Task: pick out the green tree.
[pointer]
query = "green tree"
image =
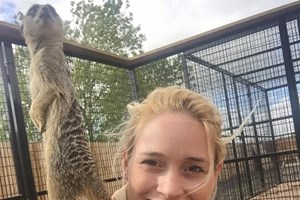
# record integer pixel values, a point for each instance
(107, 26)
(165, 72)
(103, 90)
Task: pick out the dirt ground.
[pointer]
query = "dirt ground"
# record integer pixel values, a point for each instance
(284, 191)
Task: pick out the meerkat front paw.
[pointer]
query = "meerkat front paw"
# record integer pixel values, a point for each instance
(38, 120)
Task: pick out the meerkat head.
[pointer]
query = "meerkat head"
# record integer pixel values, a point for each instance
(42, 24)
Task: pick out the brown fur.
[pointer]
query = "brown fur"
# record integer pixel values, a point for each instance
(70, 169)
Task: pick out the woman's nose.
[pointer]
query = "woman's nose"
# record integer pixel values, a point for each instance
(170, 185)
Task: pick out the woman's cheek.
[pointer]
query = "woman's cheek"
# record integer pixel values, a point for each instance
(141, 180)
(205, 192)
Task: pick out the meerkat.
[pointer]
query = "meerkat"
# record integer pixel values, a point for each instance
(70, 169)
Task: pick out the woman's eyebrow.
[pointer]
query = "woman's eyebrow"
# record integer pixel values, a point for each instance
(198, 159)
(192, 158)
(152, 153)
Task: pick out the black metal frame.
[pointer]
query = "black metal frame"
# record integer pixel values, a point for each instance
(290, 73)
(16, 119)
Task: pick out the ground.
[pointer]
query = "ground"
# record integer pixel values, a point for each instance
(284, 191)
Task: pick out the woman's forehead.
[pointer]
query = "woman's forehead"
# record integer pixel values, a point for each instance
(173, 132)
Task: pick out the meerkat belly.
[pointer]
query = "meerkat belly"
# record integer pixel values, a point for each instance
(68, 157)
(36, 80)
(35, 85)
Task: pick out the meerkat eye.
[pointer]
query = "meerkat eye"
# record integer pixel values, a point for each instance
(33, 10)
(52, 10)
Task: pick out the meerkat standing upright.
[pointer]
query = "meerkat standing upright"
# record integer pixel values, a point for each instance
(70, 168)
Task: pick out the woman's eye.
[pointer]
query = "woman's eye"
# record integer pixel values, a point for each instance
(150, 162)
(194, 169)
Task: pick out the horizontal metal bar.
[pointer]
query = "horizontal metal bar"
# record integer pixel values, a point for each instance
(14, 198)
(113, 179)
(261, 122)
(267, 155)
(249, 56)
(258, 70)
(42, 193)
(11, 33)
(217, 68)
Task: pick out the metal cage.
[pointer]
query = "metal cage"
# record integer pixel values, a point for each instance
(255, 61)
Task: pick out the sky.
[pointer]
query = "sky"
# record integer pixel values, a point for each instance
(165, 21)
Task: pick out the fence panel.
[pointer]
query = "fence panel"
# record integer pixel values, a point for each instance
(103, 153)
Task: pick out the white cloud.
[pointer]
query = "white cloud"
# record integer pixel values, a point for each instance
(167, 21)
(7, 11)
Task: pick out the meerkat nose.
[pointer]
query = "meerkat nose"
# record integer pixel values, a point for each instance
(46, 12)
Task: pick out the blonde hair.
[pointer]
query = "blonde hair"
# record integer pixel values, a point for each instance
(173, 99)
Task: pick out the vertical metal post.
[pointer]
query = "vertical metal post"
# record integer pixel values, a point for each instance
(185, 72)
(261, 173)
(134, 84)
(17, 123)
(273, 138)
(291, 80)
(12, 136)
(239, 178)
(243, 139)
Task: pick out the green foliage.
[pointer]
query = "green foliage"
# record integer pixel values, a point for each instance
(103, 91)
(4, 133)
(107, 26)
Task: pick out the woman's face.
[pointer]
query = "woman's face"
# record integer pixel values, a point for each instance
(169, 160)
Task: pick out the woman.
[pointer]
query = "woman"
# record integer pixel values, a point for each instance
(171, 147)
